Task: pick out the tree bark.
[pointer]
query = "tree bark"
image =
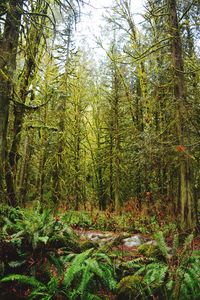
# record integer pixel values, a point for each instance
(8, 53)
(186, 200)
(33, 43)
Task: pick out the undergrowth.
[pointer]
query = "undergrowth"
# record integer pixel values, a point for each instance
(42, 258)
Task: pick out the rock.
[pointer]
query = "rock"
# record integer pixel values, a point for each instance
(133, 241)
(152, 242)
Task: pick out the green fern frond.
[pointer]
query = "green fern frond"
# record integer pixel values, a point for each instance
(170, 285)
(175, 245)
(187, 245)
(141, 271)
(137, 263)
(92, 297)
(188, 241)
(103, 256)
(155, 274)
(108, 277)
(76, 267)
(23, 279)
(162, 244)
(190, 284)
(94, 267)
(16, 263)
(57, 263)
(39, 293)
(85, 281)
(53, 285)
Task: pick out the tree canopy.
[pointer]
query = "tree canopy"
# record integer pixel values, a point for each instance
(87, 134)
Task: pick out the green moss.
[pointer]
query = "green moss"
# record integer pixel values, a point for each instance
(130, 287)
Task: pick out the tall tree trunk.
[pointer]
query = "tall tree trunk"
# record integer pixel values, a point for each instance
(186, 195)
(111, 192)
(23, 169)
(100, 184)
(33, 44)
(8, 53)
(116, 141)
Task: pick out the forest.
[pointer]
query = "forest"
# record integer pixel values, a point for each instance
(100, 150)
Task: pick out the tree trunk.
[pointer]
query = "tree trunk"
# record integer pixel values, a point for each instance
(116, 142)
(186, 195)
(23, 169)
(33, 43)
(8, 52)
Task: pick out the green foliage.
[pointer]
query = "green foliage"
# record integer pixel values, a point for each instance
(23, 279)
(87, 245)
(149, 250)
(85, 274)
(130, 287)
(42, 252)
(9, 212)
(43, 291)
(80, 218)
(36, 228)
(175, 275)
(87, 271)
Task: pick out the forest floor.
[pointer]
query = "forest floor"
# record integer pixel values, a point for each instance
(81, 255)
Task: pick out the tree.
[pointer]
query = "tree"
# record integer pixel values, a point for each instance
(26, 29)
(8, 54)
(186, 193)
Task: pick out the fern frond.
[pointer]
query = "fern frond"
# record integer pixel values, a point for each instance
(140, 261)
(53, 285)
(76, 267)
(175, 245)
(93, 297)
(94, 267)
(188, 241)
(170, 285)
(103, 256)
(108, 277)
(85, 281)
(57, 263)
(141, 271)
(162, 244)
(23, 279)
(155, 274)
(187, 245)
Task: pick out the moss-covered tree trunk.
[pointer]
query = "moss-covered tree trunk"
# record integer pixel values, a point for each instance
(8, 53)
(186, 195)
(32, 49)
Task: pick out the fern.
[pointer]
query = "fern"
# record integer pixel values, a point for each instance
(176, 278)
(175, 245)
(155, 274)
(162, 244)
(92, 297)
(83, 273)
(57, 263)
(39, 289)
(108, 277)
(103, 256)
(137, 262)
(76, 267)
(53, 285)
(23, 279)
(85, 281)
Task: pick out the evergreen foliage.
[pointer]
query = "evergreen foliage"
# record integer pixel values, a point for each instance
(104, 142)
